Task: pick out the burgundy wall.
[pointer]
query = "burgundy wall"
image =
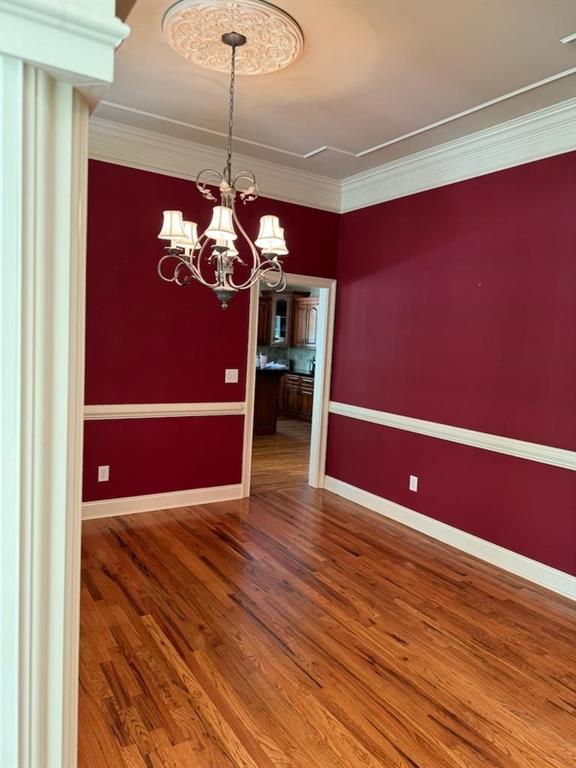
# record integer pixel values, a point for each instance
(148, 341)
(458, 305)
(152, 342)
(518, 504)
(159, 455)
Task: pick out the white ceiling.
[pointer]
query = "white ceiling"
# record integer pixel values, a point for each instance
(372, 73)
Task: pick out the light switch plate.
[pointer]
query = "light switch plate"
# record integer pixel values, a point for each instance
(104, 474)
(231, 376)
(413, 485)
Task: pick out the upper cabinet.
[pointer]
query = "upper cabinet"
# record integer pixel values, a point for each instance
(287, 319)
(305, 320)
(281, 319)
(264, 319)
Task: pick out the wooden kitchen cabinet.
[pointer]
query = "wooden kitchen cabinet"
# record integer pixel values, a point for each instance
(305, 321)
(298, 396)
(264, 319)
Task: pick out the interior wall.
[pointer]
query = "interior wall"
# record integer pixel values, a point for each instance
(148, 341)
(458, 306)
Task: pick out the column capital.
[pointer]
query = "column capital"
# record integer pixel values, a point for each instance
(72, 39)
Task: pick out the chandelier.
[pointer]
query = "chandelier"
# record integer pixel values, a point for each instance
(212, 257)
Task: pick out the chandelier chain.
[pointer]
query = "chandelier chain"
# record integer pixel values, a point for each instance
(231, 116)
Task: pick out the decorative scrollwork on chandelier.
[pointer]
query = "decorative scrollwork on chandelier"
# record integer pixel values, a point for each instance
(219, 250)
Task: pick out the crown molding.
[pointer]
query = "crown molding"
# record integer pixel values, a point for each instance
(531, 137)
(150, 151)
(540, 134)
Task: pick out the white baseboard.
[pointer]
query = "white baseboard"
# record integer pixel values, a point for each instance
(154, 501)
(543, 575)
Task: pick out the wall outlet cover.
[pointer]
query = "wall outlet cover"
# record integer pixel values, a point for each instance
(231, 376)
(413, 484)
(103, 473)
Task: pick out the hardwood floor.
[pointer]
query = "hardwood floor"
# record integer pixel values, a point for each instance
(298, 630)
(281, 460)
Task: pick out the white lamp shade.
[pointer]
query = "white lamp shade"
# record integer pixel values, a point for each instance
(190, 241)
(172, 226)
(221, 227)
(229, 247)
(270, 234)
(281, 250)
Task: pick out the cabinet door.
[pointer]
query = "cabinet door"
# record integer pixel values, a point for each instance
(299, 324)
(306, 397)
(264, 306)
(292, 399)
(311, 324)
(281, 320)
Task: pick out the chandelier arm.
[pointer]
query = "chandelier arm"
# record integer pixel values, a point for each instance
(208, 177)
(180, 262)
(199, 260)
(249, 193)
(255, 267)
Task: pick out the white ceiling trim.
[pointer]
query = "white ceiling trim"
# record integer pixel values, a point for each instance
(547, 132)
(540, 134)
(337, 150)
(126, 145)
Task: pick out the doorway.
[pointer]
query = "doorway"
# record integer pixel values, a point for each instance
(288, 385)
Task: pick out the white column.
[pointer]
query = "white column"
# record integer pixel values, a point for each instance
(43, 161)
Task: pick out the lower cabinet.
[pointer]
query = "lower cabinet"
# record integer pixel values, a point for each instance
(298, 396)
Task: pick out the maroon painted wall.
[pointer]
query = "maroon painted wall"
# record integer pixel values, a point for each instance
(152, 342)
(458, 305)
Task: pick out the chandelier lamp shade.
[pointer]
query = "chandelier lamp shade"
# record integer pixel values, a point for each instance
(224, 249)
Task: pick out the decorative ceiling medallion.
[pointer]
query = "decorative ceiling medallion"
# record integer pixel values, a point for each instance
(194, 28)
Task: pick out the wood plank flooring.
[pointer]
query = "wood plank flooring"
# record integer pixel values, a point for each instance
(298, 630)
(281, 460)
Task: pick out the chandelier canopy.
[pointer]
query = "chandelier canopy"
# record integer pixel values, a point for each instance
(224, 244)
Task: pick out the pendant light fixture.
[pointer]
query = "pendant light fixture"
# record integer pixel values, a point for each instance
(211, 258)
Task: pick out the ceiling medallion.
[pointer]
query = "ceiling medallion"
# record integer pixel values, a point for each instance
(194, 29)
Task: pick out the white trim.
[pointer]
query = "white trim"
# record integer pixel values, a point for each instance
(151, 502)
(161, 410)
(544, 454)
(319, 433)
(534, 136)
(44, 136)
(322, 380)
(538, 573)
(75, 40)
(150, 151)
(368, 150)
(250, 389)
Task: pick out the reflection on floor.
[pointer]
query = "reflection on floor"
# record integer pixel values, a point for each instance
(281, 460)
(298, 630)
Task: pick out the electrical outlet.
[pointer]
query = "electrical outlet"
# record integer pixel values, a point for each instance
(413, 484)
(103, 474)
(231, 376)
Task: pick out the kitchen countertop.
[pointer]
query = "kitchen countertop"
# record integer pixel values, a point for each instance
(285, 370)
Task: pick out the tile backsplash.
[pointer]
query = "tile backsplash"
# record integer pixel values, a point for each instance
(300, 357)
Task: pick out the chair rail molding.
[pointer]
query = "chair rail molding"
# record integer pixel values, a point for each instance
(161, 410)
(545, 454)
